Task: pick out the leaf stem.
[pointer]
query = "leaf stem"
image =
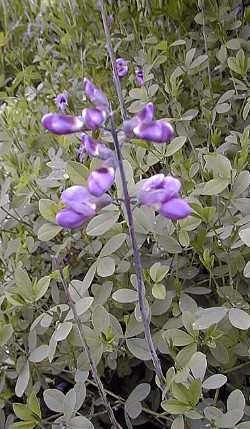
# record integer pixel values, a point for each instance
(87, 351)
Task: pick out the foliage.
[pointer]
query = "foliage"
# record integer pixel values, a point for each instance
(195, 57)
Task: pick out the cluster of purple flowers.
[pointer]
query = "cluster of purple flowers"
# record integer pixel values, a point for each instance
(162, 192)
(81, 203)
(122, 71)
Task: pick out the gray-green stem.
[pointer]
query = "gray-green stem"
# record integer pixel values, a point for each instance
(87, 351)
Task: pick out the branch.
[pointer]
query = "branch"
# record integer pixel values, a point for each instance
(112, 59)
(86, 349)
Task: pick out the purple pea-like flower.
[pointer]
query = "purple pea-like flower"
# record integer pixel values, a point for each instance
(62, 124)
(78, 198)
(121, 67)
(81, 152)
(145, 116)
(93, 118)
(94, 94)
(157, 131)
(110, 20)
(68, 218)
(61, 101)
(175, 208)
(95, 148)
(139, 76)
(100, 180)
(158, 189)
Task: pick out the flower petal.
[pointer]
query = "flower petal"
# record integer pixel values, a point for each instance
(175, 209)
(62, 124)
(68, 218)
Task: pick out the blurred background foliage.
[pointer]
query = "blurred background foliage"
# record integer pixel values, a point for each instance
(195, 56)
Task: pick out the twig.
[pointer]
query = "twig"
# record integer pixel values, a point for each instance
(137, 259)
(112, 59)
(86, 349)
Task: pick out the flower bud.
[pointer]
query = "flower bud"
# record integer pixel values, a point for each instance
(68, 218)
(99, 181)
(175, 208)
(62, 101)
(79, 199)
(157, 131)
(121, 67)
(93, 118)
(94, 94)
(139, 77)
(62, 124)
(96, 149)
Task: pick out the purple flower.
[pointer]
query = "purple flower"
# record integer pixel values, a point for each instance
(62, 124)
(139, 76)
(121, 67)
(145, 116)
(101, 180)
(79, 199)
(158, 189)
(95, 148)
(163, 192)
(110, 20)
(157, 131)
(80, 206)
(62, 101)
(93, 118)
(175, 208)
(94, 94)
(68, 218)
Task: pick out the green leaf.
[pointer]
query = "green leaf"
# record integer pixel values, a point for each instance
(214, 382)
(83, 305)
(159, 291)
(219, 165)
(24, 285)
(102, 223)
(22, 412)
(172, 406)
(125, 296)
(79, 422)
(138, 347)
(214, 186)
(209, 316)
(246, 271)
(54, 399)
(48, 231)
(78, 173)
(39, 354)
(158, 272)
(245, 236)
(113, 245)
(100, 319)
(22, 380)
(178, 423)
(105, 266)
(175, 145)
(229, 419)
(41, 287)
(236, 400)
(34, 405)
(62, 331)
(181, 393)
(178, 337)
(239, 318)
(48, 209)
(198, 365)
(6, 332)
(24, 425)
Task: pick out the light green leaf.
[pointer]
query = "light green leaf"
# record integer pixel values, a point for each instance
(6, 332)
(24, 425)
(214, 186)
(41, 287)
(80, 422)
(125, 296)
(178, 337)
(209, 316)
(22, 380)
(105, 266)
(54, 399)
(158, 272)
(138, 348)
(22, 412)
(62, 331)
(78, 173)
(83, 305)
(214, 382)
(198, 365)
(172, 406)
(159, 291)
(100, 319)
(113, 245)
(239, 318)
(245, 236)
(178, 423)
(48, 209)
(175, 145)
(39, 354)
(102, 223)
(246, 271)
(34, 405)
(48, 231)
(229, 419)
(236, 400)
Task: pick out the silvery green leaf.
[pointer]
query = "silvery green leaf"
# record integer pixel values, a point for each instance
(100, 319)
(48, 231)
(62, 331)
(79, 422)
(54, 399)
(239, 318)
(229, 419)
(125, 296)
(112, 245)
(105, 266)
(236, 400)
(102, 223)
(209, 316)
(175, 145)
(178, 423)
(138, 347)
(198, 365)
(39, 354)
(214, 381)
(22, 380)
